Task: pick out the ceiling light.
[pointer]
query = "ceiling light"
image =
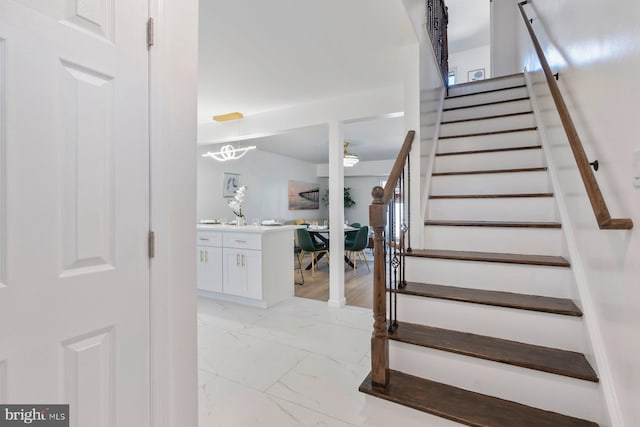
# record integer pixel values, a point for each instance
(349, 159)
(227, 152)
(228, 116)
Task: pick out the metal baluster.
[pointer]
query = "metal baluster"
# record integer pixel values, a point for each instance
(391, 233)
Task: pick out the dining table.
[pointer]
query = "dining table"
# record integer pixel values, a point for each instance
(321, 232)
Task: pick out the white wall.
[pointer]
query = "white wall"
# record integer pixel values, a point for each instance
(360, 193)
(471, 59)
(505, 22)
(598, 56)
(266, 176)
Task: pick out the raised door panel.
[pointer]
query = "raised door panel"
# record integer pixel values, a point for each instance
(252, 265)
(234, 276)
(210, 268)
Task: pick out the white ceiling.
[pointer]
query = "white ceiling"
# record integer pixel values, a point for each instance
(375, 139)
(258, 55)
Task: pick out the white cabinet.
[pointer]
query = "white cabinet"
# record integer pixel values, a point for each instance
(209, 258)
(242, 272)
(254, 264)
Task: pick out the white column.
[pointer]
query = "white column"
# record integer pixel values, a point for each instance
(336, 214)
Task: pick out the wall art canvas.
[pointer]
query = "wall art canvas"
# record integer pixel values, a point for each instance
(475, 75)
(230, 183)
(303, 195)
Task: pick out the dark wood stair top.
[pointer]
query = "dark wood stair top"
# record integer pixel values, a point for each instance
(507, 224)
(481, 172)
(489, 196)
(497, 116)
(494, 132)
(484, 104)
(463, 406)
(562, 306)
(543, 260)
(490, 150)
(546, 359)
(517, 86)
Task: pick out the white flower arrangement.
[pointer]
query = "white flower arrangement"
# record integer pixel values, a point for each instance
(236, 203)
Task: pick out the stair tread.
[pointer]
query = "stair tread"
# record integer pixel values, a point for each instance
(496, 116)
(563, 306)
(494, 132)
(545, 260)
(464, 406)
(480, 172)
(489, 196)
(486, 104)
(509, 224)
(516, 86)
(546, 359)
(490, 150)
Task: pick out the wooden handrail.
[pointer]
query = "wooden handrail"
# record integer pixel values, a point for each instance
(600, 210)
(398, 166)
(378, 221)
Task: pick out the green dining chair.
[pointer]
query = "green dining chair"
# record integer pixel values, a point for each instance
(355, 250)
(307, 244)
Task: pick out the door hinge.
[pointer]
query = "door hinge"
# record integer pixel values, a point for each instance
(152, 244)
(150, 33)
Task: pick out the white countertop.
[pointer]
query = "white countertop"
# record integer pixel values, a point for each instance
(246, 228)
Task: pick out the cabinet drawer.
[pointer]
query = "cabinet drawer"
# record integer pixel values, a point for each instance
(242, 240)
(209, 238)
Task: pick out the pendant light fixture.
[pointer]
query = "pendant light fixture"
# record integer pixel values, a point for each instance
(227, 152)
(349, 158)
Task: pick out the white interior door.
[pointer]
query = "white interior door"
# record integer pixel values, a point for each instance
(74, 208)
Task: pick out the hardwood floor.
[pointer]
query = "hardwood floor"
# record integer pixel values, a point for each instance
(358, 288)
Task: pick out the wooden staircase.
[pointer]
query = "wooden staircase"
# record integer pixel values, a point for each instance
(488, 331)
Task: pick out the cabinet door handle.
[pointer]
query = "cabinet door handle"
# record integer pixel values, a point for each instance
(206, 256)
(243, 260)
(237, 260)
(202, 238)
(201, 260)
(241, 241)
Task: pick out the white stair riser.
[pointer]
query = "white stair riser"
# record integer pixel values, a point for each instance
(492, 183)
(488, 125)
(487, 110)
(488, 142)
(484, 85)
(543, 390)
(532, 327)
(490, 161)
(495, 239)
(535, 209)
(516, 278)
(482, 98)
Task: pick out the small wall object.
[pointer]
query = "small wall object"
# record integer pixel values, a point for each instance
(230, 184)
(475, 75)
(303, 195)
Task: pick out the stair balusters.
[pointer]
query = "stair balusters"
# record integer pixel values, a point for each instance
(389, 219)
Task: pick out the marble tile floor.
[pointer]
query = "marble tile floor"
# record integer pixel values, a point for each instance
(298, 363)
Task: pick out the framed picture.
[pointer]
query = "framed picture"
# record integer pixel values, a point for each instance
(303, 195)
(230, 183)
(474, 75)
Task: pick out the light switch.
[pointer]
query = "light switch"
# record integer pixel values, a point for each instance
(636, 169)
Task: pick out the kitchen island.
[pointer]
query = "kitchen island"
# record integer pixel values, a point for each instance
(249, 265)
